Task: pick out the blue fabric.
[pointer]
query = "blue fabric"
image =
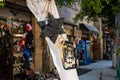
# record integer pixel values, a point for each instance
(81, 45)
(28, 64)
(26, 52)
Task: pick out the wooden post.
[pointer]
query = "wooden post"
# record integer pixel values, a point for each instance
(101, 39)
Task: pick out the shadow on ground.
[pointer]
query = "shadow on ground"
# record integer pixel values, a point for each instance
(81, 71)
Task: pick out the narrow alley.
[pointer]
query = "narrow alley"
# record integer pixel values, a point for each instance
(103, 66)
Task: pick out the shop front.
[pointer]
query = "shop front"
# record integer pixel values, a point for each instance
(85, 43)
(16, 39)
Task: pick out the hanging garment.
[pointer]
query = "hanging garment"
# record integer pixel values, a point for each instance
(40, 9)
(29, 38)
(22, 42)
(81, 45)
(77, 39)
(28, 27)
(30, 48)
(26, 53)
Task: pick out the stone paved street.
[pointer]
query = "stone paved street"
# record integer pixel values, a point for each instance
(103, 65)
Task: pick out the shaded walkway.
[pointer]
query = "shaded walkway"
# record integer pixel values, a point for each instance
(97, 67)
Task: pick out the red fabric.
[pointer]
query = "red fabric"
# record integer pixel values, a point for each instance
(31, 72)
(22, 42)
(94, 38)
(76, 41)
(28, 27)
(119, 42)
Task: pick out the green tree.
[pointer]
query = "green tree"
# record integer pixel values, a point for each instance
(99, 8)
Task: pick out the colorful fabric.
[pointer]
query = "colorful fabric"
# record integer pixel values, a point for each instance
(81, 45)
(26, 52)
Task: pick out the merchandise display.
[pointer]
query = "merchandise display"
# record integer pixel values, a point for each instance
(83, 51)
(17, 39)
(69, 60)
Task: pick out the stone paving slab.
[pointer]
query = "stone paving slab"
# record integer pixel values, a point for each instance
(105, 66)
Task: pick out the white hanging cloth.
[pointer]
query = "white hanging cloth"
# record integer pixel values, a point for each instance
(40, 9)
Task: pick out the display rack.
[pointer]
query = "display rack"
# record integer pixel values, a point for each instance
(96, 49)
(17, 55)
(11, 53)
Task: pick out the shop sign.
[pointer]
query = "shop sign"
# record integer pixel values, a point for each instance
(2, 3)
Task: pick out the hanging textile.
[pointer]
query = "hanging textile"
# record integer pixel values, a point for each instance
(40, 9)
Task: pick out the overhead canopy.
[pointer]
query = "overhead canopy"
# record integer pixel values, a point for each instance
(89, 27)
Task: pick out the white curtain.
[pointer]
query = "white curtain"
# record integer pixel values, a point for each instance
(40, 9)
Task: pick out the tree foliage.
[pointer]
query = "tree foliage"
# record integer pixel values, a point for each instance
(99, 8)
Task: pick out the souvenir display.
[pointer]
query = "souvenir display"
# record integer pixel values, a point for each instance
(69, 60)
(16, 39)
